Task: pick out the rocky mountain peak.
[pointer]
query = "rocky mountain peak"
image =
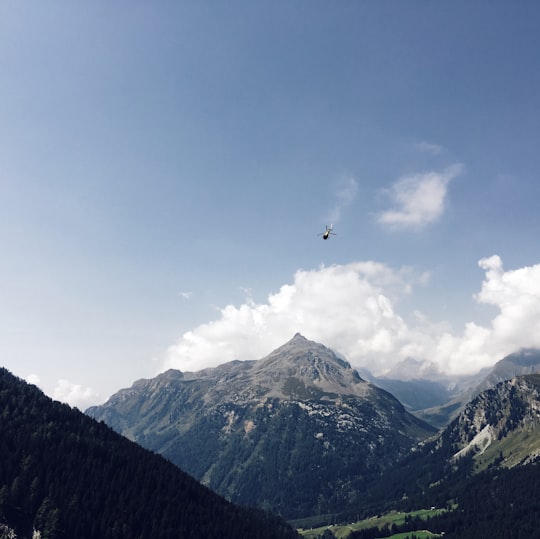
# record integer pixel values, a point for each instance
(282, 432)
(304, 363)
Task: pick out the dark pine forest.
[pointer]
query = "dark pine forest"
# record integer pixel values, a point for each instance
(68, 476)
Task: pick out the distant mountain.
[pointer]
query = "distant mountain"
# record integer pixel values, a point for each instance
(417, 394)
(454, 393)
(436, 398)
(68, 476)
(526, 361)
(295, 432)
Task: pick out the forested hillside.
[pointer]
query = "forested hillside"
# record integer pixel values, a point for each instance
(495, 504)
(484, 468)
(69, 476)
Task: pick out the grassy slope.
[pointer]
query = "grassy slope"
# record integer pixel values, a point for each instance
(394, 517)
(522, 445)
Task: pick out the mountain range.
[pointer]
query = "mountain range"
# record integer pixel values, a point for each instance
(299, 432)
(295, 432)
(298, 427)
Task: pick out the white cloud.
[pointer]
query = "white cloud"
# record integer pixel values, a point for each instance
(33, 379)
(349, 308)
(427, 147)
(516, 293)
(345, 196)
(418, 199)
(74, 394)
(353, 309)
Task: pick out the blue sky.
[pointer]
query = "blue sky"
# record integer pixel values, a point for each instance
(165, 168)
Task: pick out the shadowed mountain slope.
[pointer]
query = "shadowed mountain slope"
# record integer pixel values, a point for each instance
(68, 476)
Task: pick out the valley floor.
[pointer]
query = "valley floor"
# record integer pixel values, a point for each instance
(394, 518)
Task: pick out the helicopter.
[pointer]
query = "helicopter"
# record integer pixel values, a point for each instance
(329, 231)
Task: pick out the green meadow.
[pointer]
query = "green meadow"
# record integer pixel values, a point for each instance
(393, 518)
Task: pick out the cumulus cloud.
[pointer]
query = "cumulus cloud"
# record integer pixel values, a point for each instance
(354, 309)
(349, 308)
(344, 197)
(74, 394)
(516, 293)
(418, 199)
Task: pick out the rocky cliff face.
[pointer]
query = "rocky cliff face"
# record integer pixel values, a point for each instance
(501, 425)
(293, 432)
